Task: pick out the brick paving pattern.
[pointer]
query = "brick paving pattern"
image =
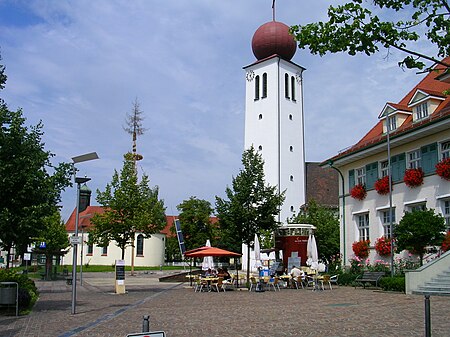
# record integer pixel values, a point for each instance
(180, 312)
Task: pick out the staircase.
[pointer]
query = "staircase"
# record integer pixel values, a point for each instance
(439, 285)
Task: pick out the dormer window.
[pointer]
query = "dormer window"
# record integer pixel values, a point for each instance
(392, 123)
(422, 111)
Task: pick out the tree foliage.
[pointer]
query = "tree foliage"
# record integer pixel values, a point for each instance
(327, 227)
(195, 220)
(130, 206)
(30, 185)
(419, 229)
(361, 26)
(252, 204)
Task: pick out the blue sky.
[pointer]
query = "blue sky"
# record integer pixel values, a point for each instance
(79, 65)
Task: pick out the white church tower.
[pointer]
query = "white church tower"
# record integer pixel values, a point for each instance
(274, 113)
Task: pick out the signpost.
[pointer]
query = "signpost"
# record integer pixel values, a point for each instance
(120, 276)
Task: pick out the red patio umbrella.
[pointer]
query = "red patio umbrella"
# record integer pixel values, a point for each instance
(209, 251)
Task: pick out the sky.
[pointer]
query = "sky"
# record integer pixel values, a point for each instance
(78, 66)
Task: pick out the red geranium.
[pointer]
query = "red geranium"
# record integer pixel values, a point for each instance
(414, 177)
(446, 243)
(383, 246)
(382, 185)
(358, 192)
(361, 248)
(443, 169)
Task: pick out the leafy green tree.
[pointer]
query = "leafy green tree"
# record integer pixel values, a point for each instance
(327, 227)
(56, 241)
(130, 206)
(251, 207)
(30, 185)
(195, 220)
(419, 229)
(364, 26)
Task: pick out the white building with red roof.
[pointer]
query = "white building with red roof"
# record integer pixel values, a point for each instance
(419, 138)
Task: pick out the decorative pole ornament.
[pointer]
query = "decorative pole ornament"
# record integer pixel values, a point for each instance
(273, 10)
(250, 75)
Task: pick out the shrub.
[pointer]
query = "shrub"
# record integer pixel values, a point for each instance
(396, 283)
(28, 293)
(347, 279)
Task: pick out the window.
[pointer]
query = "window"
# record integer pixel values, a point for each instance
(140, 245)
(361, 175)
(260, 148)
(105, 250)
(371, 174)
(291, 178)
(363, 226)
(291, 148)
(392, 123)
(260, 116)
(257, 88)
(293, 88)
(384, 168)
(264, 86)
(386, 221)
(286, 86)
(422, 111)
(290, 117)
(90, 249)
(417, 207)
(429, 158)
(398, 167)
(445, 150)
(446, 213)
(413, 158)
(292, 209)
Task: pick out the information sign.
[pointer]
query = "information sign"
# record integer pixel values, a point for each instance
(120, 270)
(75, 240)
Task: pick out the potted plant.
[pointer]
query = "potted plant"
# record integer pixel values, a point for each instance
(413, 177)
(383, 246)
(446, 243)
(382, 185)
(358, 192)
(361, 248)
(443, 169)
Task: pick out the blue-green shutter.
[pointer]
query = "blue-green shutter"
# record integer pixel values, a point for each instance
(351, 178)
(429, 157)
(371, 174)
(398, 164)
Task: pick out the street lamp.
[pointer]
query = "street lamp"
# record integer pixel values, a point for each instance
(331, 164)
(78, 181)
(391, 224)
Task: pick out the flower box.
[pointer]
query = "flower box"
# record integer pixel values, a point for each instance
(361, 248)
(383, 246)
(382, 185)
(358, 192)
(413, 177)
(443, 169)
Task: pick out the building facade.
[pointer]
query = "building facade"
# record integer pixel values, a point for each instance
(416, 132)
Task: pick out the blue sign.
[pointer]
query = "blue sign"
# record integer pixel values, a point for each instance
(42, 245)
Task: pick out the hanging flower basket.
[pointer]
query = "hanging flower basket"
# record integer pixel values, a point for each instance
(382, 185)
(443, 169)
(361, 248)
(413, 177)
(446, 243)
(383, 246)
(358, 192)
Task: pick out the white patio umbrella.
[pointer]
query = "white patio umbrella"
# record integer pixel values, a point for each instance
(314, 254)
(208, 262)
(308, 251)
(257, 250)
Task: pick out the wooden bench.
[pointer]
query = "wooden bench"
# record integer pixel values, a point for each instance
(369, 277)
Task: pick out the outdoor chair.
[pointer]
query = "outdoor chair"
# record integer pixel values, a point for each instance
(325, 280)
(334, 279)
(273, 282)
(253, 283)
(200, 284)
(218, 285)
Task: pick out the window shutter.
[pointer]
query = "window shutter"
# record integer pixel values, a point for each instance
(398, 163)
(371, 174)
(351, 178)
(429, 157)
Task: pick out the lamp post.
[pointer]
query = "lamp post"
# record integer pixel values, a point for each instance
(391, 224)
(78, 181)
(331, 164)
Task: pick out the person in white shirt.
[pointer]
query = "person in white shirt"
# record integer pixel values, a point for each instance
(296, 272)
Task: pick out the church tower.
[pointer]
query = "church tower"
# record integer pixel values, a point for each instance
(274, 113)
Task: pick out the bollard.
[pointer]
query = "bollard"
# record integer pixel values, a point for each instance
(427, 316)
(146, 324)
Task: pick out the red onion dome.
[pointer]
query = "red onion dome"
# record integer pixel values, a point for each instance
(273, 38)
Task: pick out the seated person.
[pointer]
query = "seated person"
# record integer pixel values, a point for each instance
(209, 272)
(296, 272)
(226, 274)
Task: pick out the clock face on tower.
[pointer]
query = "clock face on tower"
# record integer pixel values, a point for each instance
(250, 75)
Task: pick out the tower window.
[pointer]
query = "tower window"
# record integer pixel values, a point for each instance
(140, 245)
(291, 148)
(292, 209)
(264, 85)
(257, 88)
(290, 117)
(291, 178)
(286, 86)
(293, 88)
(260, 148)
(260, 116)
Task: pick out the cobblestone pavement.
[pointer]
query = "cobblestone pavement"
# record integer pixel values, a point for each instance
(178, 311)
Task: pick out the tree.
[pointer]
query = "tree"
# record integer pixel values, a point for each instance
(327, 228)
(419, 229)
(134, 126)
(56, 241)
(251, 206)
(29, 192)
(129, 206)
(195, 220)
(355, 27)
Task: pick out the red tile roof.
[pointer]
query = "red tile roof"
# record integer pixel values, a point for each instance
(430, 85)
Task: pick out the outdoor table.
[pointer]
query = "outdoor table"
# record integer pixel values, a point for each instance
(287, 279)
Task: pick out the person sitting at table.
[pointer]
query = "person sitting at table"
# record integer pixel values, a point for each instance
(296, 272)
(226, 274)
(209, 272)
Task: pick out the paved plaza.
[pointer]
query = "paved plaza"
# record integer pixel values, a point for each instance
(180, 312)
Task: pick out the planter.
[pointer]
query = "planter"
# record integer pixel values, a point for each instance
(443, 169)
(382, 185)
(358, 192)
(413, 177)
